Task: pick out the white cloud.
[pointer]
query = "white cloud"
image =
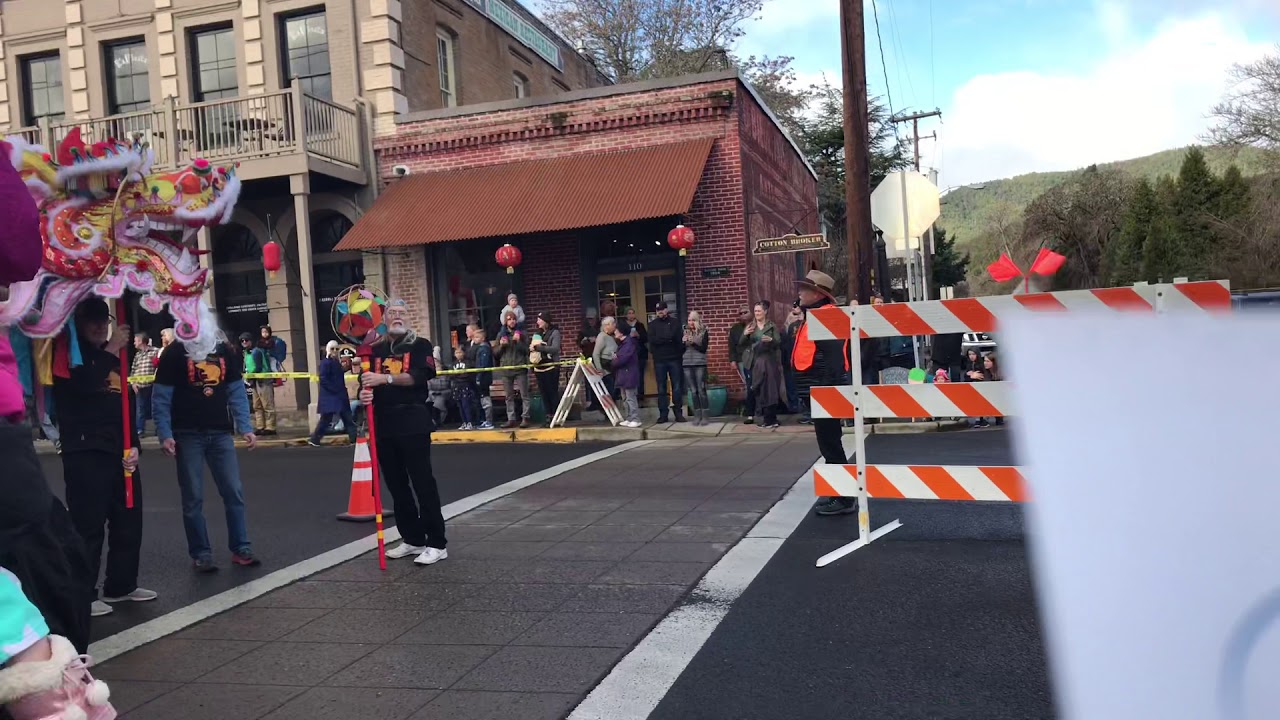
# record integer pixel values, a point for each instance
(1138, 100)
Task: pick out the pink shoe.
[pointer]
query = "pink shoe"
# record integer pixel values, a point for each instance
(60, 688)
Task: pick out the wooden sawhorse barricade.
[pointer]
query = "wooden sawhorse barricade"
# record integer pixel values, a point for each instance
(956, 399)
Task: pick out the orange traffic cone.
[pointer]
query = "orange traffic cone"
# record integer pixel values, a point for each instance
(360, 504)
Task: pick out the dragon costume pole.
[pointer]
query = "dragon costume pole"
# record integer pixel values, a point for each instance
(377, 485)
(124, 408)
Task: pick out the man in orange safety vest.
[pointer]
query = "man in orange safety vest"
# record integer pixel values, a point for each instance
(822, 362)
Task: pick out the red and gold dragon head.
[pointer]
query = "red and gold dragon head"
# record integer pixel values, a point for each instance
(109, 223)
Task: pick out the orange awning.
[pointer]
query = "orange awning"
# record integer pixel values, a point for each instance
(533, 196)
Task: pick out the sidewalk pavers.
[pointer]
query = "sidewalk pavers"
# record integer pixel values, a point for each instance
(543, 592)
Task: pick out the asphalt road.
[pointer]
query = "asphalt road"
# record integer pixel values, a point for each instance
(292, 494)
(937, 620)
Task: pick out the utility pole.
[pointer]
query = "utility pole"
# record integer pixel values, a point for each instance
(857, 175)
(926, 245)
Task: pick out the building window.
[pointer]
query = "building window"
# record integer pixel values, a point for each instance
(214, 64)
(305, 40)
(522, 85)
(42, 89)
(448, 75)
(128, 85)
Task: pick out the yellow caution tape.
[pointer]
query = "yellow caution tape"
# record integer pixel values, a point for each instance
(351, 376)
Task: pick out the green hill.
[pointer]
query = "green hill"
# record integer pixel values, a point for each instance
(966, 211)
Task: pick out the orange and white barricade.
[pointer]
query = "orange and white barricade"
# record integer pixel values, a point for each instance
(985, 399)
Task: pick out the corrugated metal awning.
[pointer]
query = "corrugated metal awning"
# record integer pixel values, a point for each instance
(534, 196)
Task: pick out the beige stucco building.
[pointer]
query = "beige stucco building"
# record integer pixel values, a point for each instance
(201, 78)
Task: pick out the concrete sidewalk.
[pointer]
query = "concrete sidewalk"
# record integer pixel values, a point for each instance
(544, 591)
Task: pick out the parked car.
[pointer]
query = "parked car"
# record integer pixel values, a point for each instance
(982, 342)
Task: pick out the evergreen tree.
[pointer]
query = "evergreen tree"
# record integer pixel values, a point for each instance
(1195, 203)
(1123, 260)
(1160, 249)
(949, 266)
(1233, 199)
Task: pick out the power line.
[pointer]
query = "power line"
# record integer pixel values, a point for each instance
(888, 94)
(933, 68)
(900, 49)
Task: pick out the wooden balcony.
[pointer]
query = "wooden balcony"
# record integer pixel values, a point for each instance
(271, 135)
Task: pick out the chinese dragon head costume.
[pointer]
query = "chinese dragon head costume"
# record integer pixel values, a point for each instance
(108, 223)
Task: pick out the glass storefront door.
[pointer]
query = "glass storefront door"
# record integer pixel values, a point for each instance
(642, 291)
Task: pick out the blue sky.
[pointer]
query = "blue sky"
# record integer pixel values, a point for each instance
(1035, 85)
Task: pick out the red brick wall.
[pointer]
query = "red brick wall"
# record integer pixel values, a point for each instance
(552, 277)
(487, 58)
(780, 197)
(407, 279)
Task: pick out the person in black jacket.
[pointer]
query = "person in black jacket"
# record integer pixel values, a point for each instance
(822, 363)
(666, 345)
(401, 364)
(92, 439)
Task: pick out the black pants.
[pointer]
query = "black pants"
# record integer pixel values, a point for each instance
(326, 421)
(672, 371)
(549, 389)
(95, 499)
(38, 542)
(830, 443)
(405, 461)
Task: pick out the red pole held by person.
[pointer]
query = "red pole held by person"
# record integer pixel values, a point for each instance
(125, 414)
(377, 485)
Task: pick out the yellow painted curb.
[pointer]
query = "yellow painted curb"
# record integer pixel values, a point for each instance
(548, 435)
(472, 436)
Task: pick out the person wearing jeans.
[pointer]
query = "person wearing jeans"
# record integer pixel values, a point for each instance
(198, 404)
(667, 348)
(144, 363)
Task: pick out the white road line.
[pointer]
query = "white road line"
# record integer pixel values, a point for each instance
(641, 679)
(167, 624)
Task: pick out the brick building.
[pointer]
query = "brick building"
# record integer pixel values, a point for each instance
(212, 79)
(587, 185)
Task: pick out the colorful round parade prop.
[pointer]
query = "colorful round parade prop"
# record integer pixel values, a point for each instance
(359, 317)
(509, 257)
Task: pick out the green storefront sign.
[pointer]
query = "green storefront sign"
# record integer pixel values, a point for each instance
(521, 29)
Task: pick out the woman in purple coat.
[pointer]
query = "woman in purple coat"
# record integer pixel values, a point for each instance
(626, 376)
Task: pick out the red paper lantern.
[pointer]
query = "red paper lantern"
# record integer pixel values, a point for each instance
(680, 238)
(271, 257)
(509, 257)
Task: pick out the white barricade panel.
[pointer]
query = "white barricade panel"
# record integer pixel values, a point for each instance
(923, 482)
(983, 399)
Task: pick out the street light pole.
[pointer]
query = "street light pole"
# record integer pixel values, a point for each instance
(857, 176)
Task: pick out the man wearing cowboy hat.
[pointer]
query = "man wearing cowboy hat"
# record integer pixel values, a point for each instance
(822, 362)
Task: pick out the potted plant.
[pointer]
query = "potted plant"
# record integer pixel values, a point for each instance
(717, 396)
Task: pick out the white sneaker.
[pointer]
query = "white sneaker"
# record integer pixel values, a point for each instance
(404, 550)
(631, 423)
(99, 608)
(431, 556)
(138, 595)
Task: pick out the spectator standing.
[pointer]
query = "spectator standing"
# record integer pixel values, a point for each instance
(633, 327)
(480, 356)
(546, 344)
(199, 403)
(268, 358)
(626, 373)
(761, 353)
(333, 400)
(795, 318)
(818, 363)
(166, 339)
(694, 362)
(92, 437)
(463, 386)
(513, 353)
(665, 344)
(606, 346)
(145, 358)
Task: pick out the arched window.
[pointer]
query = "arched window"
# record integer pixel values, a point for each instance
(334, 271)
(521, 85)
(446, 61)
(239, 282)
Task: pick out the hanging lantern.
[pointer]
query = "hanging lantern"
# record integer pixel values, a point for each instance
(271, 258)
(509, 257)
(680, 238)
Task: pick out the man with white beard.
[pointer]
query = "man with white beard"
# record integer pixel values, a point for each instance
(401, 364)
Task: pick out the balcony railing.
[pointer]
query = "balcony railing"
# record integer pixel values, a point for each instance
(254, 127)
